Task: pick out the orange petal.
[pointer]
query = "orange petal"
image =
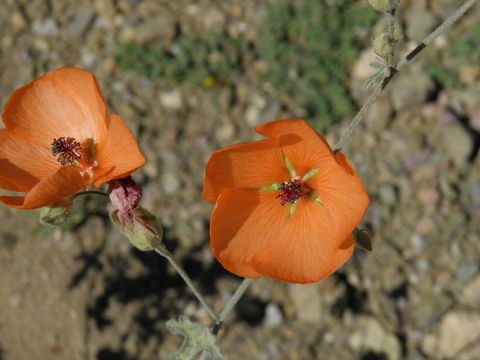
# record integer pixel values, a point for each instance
(306, 246)
(64, 182)
(64, 103)
(252, 235)
(343, 161)
(119, 155)
(342, 195)
(313, 152)
(247, 165)
(244, 222)
(22, 164)
(302, 259)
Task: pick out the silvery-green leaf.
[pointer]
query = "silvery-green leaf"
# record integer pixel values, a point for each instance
(197, 338)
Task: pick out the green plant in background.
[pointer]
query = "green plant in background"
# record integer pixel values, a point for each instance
(308, 46)
(465, 48)
(193, 60)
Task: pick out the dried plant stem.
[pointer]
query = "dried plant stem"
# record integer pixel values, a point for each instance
(406, 60)
(165, 253)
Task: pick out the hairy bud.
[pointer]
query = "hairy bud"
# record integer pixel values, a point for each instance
(142, 228)
(384, 5)
(383, 45)
(57, 214)
(136, 223)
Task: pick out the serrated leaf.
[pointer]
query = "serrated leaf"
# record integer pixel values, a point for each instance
(197, 338)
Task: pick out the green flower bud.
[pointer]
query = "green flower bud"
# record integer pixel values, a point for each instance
(383, 45)
(57, 214)
(384, 5)
(141, 228)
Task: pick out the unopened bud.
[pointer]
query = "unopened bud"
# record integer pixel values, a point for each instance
(136, 223)
(384, 5)
(141, 228)
(383, 45)
(57, 214)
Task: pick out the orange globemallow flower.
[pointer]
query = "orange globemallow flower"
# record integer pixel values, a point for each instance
(285, 207)
(59, 138)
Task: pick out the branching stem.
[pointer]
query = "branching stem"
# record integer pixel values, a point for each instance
(406, 60)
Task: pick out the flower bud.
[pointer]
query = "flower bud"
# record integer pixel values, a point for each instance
(57, 214)
(383, 45)
(136, 223)
(141, 228)
(384, 5)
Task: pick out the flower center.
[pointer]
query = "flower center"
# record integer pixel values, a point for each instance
(290, 191)
(67, 150)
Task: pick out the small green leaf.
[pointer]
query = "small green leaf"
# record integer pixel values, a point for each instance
(198, 338)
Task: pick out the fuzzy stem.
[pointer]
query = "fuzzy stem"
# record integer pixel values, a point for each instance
(391, 38)
(90, 192)
(165, 253)
(231, 304)
(386, 80)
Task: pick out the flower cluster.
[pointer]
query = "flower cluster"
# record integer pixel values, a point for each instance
(285, 207)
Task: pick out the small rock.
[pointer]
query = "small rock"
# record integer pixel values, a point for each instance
(225, 132)
(457, 142)
(428, 196)
(420, 22)
(388, 194)
(457, 337)
(159, 28)
(273, 315)
(362, 69)
(411, 89)
(105, 8)
(471, 293)
(83, 17)
(172, 100)
(371, 336)
(308, 302)
(45, 27)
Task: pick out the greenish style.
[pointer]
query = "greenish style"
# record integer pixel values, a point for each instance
(306, 46)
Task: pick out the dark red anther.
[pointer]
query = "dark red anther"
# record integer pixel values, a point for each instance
(291, 191)
(67, 150)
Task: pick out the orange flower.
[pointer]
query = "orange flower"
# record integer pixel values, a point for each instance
(59, 139)
(285, 207)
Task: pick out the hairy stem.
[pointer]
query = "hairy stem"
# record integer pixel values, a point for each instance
(391, 38)
(406, 60)
(90, 192)
(165, 253)
(231, 304)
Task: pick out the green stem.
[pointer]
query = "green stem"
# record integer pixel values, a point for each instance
(386, 80)
(90, 192)
(231, 304)
(391, 38)
(165, 253)
(439, 30)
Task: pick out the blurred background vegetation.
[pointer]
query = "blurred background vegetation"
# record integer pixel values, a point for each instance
(307, 48)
